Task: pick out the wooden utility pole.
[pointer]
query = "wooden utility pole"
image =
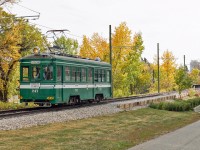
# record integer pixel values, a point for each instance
(110, 46)
(184, 62)
(158, 67)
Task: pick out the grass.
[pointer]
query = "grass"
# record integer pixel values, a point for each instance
(113, 132)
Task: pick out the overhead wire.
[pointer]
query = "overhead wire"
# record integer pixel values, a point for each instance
(8, 9)
(74, 35)
(27, 8)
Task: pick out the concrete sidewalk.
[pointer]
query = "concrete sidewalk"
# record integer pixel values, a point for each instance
(186, 138)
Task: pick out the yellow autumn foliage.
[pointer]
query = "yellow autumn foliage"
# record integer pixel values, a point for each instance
(97, 46)
(168, 69)
(10, 38)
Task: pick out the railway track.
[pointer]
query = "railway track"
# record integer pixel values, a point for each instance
(30, 111)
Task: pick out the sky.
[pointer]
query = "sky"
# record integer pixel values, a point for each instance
(174, 24)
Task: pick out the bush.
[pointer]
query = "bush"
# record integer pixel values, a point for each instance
(178, 105)
(194, 102)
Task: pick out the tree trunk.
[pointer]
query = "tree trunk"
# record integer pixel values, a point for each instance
(5, 78)
(1, 95)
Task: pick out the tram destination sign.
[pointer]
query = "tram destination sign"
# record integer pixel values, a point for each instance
(35, 62)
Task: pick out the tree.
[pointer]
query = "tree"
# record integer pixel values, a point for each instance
(134, 67)
(100, 47)
(31, 37)
(86, 49)
(168, 68)
(126, 64)
(10, 37)
(122, 43)
(194, 75)
(182, 80)
(97, 46)
(70, 46)
(143, 80)
(17, 38)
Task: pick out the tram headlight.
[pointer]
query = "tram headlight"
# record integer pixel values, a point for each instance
(50, 98)
(36, 50)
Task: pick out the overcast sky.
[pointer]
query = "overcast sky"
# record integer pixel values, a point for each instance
(175, 24)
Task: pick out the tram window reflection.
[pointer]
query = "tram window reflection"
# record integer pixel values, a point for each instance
(36, 72)
(48, 72)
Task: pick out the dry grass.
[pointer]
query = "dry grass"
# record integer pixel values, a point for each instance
(11, 106)
(117, 131)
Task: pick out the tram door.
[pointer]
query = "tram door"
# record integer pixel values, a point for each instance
(59, 89)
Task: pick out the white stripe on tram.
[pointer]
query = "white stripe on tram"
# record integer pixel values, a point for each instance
(65, 86)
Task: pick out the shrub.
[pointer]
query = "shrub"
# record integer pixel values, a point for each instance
(194, 102)
(178, 105)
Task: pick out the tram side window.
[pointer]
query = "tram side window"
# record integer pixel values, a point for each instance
(96, 75)
(103, 76)
(48, 72)
(67, 73)
(90, 75)
(78, 75)
(83, 75)
(36, 72)
(108, 76)
(73, 74)
(25, 71)
(59, 73)
(99, 75)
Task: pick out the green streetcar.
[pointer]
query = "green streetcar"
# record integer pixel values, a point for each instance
(49, 79)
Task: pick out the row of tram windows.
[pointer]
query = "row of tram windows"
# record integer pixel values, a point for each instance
(37, 73)
(69, 74)
(77, 74)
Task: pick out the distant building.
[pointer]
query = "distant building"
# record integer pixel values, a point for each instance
(194, 64)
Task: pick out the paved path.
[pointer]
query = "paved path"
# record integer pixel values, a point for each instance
(186, 138)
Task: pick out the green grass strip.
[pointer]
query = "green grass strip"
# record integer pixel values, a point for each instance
(115, 132)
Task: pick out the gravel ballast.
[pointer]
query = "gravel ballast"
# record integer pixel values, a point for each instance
(58, 116)
(65, 115)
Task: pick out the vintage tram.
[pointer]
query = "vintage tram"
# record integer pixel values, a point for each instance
(49, 79)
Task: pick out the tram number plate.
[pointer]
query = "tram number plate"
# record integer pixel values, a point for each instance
(35, 85)
(34, 91)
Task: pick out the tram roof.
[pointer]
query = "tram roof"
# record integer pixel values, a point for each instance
(46, 56)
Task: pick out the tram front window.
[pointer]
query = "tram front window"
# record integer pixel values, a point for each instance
(47, 72)
(25, 72)
(36, 72)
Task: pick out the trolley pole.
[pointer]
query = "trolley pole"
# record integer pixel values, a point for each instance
(110, 46)
(158, 67)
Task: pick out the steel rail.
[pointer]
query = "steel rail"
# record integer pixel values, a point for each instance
(30, 111)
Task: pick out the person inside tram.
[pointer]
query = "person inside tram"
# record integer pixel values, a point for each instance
(36, 73)
(47, 73)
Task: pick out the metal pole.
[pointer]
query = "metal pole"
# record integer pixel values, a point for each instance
(184, 61)
(158, 68)
(110, 46)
